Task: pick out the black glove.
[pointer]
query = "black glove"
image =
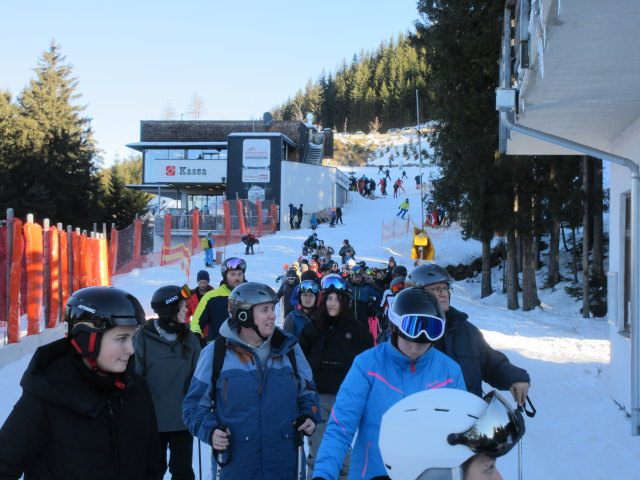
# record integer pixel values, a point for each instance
(203, 341)
(300, 420)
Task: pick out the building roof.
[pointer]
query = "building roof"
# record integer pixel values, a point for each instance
(140, 146)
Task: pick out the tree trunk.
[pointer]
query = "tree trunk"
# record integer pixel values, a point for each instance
(597, 259)
(564, 238)
(512, 272)
(553, 269)
(585, 238)
(519, 251)
(536, 251)
(530, 298)
(486, 289)
(574, 256)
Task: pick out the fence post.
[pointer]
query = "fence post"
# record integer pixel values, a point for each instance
(54, 277)
(34, 258)
(46, 284)
(137, 240)
(195, 229)
(10, 229)
(13, 324)
(274, 217)
(113, 250)
(259, 208)
(243, 227)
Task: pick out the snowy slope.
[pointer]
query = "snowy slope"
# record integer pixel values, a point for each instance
(578, 432)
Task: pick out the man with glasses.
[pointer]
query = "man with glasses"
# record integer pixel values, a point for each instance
(212, 310)
(465, 343)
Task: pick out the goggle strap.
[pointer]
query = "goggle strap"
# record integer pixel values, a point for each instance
(523, 408)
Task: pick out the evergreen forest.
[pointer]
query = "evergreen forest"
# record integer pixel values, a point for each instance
(49, 160)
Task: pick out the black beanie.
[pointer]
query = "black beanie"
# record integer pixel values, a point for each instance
(203, 275)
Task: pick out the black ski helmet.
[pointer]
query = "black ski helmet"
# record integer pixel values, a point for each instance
(232, 263)
(242, 300)
(92, 310)
(399, 271)
(428, 274)
(166, 301)
(415, 302)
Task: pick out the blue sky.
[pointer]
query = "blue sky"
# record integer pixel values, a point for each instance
(132, 58)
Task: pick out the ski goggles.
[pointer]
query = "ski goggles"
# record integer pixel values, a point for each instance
(234, 264)
(185, 292)
(414, 325)
(309, 286)
(332, 283)
(396, 287)
(496, 431)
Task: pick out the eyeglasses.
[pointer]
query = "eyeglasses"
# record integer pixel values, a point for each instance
(438, 290)
(234, 264)
(185, 292)
(332, 283)
(309, 286)
(497, 431)
(414, 325)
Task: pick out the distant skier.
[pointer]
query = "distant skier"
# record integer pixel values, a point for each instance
(339, 214)
(380, 170)
(387, 174)
(249, 240)
(383, 186)
(404, 208)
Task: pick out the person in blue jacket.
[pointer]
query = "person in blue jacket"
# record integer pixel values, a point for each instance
(298, 317)
(382, 376)
(262, 396)
(365, 297)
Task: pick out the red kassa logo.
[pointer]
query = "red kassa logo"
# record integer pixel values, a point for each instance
(170, 171)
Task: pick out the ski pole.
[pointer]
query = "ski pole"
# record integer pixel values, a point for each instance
(199, 460)
(301, 459)
(222, 457)
(520, 409)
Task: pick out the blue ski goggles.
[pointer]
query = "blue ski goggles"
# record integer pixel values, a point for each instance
(309, 286)
(330, 282)
(414, 325)
(495, 432)
(234, 263)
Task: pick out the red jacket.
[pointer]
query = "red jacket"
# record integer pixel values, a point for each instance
(193, 301)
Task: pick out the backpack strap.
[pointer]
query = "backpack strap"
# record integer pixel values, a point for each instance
(219, 352)
(294, 364)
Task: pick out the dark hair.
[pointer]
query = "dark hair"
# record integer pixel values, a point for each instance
(322, 314)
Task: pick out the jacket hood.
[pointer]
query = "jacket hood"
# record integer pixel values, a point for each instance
(57, 375)
(280, 342)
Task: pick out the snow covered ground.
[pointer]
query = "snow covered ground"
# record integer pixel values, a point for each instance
(578, 432)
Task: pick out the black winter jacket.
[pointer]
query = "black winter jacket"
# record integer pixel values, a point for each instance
(167, 367)
(464, 343)
(71, 423)
(330, 351)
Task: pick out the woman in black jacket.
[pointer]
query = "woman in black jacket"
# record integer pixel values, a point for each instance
(330, 341)
(83, 412)
(167, 353)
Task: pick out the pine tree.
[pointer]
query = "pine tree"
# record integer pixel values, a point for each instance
(122, 204)
(55, 174)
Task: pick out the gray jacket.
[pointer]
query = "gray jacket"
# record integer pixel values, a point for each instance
(168, 372)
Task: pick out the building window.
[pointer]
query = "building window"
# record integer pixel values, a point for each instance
(627, 262)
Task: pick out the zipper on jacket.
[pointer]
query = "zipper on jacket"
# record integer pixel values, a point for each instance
(412, 368)
(112, 432)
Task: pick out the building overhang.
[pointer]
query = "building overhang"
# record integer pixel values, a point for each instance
(142, 146)
(266, 134)
(174, 190)
(582, 78)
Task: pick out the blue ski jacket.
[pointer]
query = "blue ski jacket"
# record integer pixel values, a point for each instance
(379, 378)
(258, 403)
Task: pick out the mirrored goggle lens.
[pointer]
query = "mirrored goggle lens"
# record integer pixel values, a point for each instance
(309, 286)
(397, 287)
(332, 282)
(414, 325)
(185, 291)
(235, 264)
(497, 430)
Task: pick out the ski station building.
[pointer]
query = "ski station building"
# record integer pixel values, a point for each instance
(202, 163)
(569, 86)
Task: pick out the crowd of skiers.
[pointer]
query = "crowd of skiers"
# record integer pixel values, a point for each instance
(360, 347)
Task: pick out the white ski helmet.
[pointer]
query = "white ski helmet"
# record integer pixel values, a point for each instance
(430, 434)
